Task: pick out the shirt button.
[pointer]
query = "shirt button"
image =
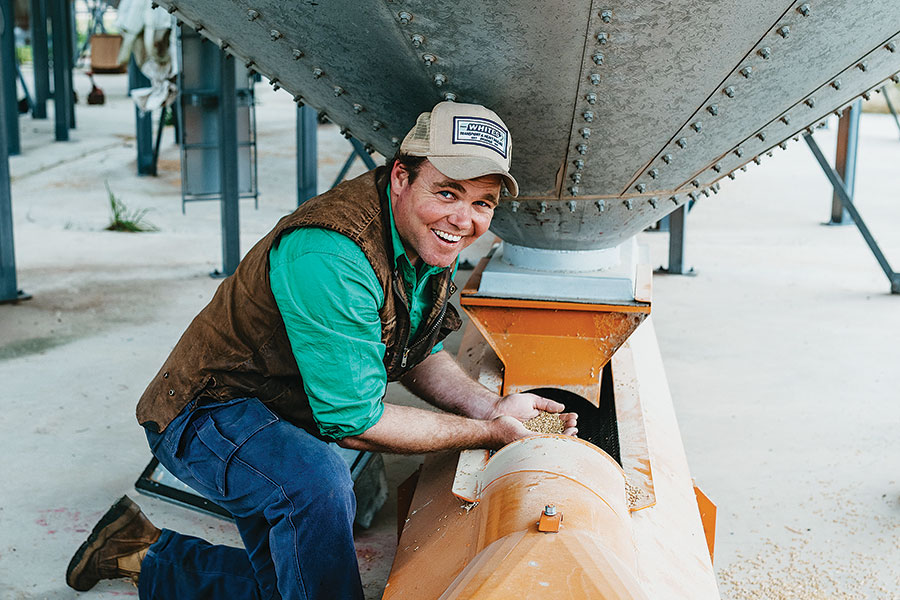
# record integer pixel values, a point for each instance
(166, 375)
(171, 392)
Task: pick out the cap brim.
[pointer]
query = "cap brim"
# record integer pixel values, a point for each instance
(470, 167)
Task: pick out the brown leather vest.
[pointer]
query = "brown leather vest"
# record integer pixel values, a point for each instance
(238, 346)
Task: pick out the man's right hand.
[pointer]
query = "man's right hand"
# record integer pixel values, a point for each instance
(508, 429)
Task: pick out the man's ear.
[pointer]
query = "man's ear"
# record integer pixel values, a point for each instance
(399, 176)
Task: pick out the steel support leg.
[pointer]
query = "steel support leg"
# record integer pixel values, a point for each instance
(71, 49)
(845, 161)
(8, 76)
(358, 150)
(890, 105)
(677, 222)
(9, 290)
(847, 202)
(39, 58)
(228, 164)
(62, 83)
(146, 165)
(307, 154)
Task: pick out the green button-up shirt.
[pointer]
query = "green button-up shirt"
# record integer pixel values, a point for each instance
(329, 298)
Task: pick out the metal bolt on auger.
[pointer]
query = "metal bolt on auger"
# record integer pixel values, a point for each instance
(653, 173)
(405, 18)
(296, 54)
(585, 132)
(252, 15)
(429, 59)
(598, 58)
(641, 187)
(602, 37)
(576, 177)
(863, 66)
(697, 126)
(717, 167)
(739, 152)
(747, 72)
(449, 96)
(579, 164)
(275, 35)
(654, 202)
(376, 125)
(550, 510)
(682, 142)
(803, 9)
(761, 136)
(595, 79)
(417, 40)
(543, 206)
(786, 119)
(765, 52)
(440, 79)
(588, 116)
(836, 84)
(591, 98)
(317, 73)
(629, 204)
(713, 109)
(581, 148)
(728, 91)
(601, 205)
(606, 15)
(784, 31)
(695, 183)
(667, 158)
(571, 203)
(514, 206)
(891, 47)
(338, 90)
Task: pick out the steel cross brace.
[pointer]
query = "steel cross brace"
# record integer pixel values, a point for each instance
(841, 191)
(358, 150)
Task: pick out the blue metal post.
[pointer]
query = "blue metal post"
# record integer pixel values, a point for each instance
(39, 58)
(62, 83)
(845, 161)
(71, 48)
(307, 154)
(146, 165)
(845, 198)
(228, 161)
(8, 76)
(8, 286)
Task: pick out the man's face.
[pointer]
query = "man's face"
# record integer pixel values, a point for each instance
(436, 216)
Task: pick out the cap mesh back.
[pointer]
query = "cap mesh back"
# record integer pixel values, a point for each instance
(418, 141)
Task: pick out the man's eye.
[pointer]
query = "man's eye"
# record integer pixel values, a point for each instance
(484, 204)
(446, 194)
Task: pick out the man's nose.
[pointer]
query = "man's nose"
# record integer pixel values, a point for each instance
(461, 216)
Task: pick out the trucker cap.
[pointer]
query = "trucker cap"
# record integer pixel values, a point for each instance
(463, 141)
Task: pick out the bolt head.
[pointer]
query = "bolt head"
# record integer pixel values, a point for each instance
(667, 158)
(579, 163)
(405, 18)
(784, 31)
(713, 109)
(728, 91)
(717, 167)
(765, 52)
(595, 79)
(747, 72)
(891, 47)
(739, 152)
(653, 173)
(252, 15)
(585, 132)
(629, 204)
(598, 58)
(836, 84)
(358, 108)
(641, 187)
(697, 126)
(591, 98)
(429, 59)
(803, 9)
(439, 79)
(417, 40)
(449, 96)
(588, 116)
(863, 66)
(581, 148)
(682, 142)
(275, 35)
(606, 15)
(602, 37)
(761, 136)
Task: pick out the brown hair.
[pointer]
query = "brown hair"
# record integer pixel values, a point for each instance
(409, 162)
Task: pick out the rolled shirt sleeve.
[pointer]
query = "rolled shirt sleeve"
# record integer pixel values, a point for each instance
(329, 298)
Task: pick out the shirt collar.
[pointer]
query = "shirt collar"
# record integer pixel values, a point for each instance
(400, 257)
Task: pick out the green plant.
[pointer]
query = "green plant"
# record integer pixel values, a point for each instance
(23, 54)
(123, 219)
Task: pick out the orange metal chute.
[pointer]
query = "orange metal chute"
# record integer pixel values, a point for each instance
(560, 344)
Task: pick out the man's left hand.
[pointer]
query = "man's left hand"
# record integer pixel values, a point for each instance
(526, 406)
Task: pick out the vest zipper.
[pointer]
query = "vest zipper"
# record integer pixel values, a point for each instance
(402, 297)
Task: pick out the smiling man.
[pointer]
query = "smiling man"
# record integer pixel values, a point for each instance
(348, 293)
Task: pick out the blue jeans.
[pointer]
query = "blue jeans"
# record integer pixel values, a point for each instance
(290, 494)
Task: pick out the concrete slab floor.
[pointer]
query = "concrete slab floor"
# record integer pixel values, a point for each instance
(781, 354)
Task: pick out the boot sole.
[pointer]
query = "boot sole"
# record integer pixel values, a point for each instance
(117, 517)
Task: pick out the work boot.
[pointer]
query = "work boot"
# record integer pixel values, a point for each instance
(115, 548)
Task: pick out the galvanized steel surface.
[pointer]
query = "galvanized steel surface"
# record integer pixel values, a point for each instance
(620, 111)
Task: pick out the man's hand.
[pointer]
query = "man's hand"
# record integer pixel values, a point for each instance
(526, 406)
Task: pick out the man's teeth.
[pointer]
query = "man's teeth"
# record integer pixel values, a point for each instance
(449, 237)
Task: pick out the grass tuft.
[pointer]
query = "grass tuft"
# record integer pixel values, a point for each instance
(123, 219)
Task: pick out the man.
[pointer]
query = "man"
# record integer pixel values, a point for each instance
(295, 349)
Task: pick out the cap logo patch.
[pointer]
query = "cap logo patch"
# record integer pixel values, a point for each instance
(481, 132)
